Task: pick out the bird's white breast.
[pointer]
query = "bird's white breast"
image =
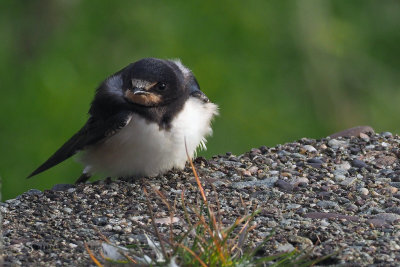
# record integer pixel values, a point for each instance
(141, 148)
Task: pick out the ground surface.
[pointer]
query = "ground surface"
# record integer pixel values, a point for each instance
(338, 193)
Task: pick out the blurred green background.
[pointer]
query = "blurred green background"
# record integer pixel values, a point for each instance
(280, 70)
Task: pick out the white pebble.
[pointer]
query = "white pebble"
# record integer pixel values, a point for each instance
(309, 148)
(364, 191)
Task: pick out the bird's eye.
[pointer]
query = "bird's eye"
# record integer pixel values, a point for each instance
(162, 86)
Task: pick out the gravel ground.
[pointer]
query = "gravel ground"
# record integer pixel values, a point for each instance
(335, 194)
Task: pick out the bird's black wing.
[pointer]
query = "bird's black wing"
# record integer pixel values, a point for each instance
(95, 130)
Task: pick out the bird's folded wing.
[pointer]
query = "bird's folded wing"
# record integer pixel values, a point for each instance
(95, 130)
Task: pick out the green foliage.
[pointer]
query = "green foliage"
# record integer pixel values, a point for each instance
(280, 70)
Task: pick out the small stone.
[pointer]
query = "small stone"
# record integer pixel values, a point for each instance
(167, 220)
(324, 223)
(363, 191)
(344, 166)
(33, 192)
(298, 156)
(364, 137)
(266, 183)
(253, 170)
(323, 147)
(293, 206)
(335, 144)
(62, 187)
(378, 223)
(395, 184)
(384, 144)
(67, 210)
(300, 181)
(348, 181)
(285, 248)
(340, 178)
(245, 172)
(386, 161)
(217, 175)
(300, 240)
(101, 221)
(358, 163)
(330, 215)
(309, 148)
(117, 228)
(264, 149)
(387, 134)
(315, 163)
(355, 131)
(327, 204)
(284, 185)
(392, 189)
(352, 207)
(388, 217)
(72, 245)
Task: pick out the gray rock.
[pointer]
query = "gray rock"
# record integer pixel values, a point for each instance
(348, 181)
(358, 163)
(266, 183)
(335, 144)
(309, 148)
(388, 217)
(327, 204)
(355, 131)
(62, 187)
(285, 247)
(217, 175)
(387, 134)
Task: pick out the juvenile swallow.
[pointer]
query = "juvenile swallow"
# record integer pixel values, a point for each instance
(139, 122)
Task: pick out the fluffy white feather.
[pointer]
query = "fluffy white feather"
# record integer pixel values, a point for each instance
(141, 148)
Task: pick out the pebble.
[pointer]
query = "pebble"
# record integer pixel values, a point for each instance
(358, 163)
(387, 134)
(315, 163)
(266, 183)
(388, 217)
(62, 187)
(392, 189)
(364, 137)
(344, 166)
(293, 206)
(33, 192)
(217, 175)
(284, 185)
(67, 210)
(348, 181)
(327, 204)
(100, 221)
(395, 184)
(309, 148)
(253, 170)
(363, 191)
(355, 131)
(287, 247)
(335, 144)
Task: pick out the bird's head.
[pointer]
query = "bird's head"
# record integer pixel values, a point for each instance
(154, 82)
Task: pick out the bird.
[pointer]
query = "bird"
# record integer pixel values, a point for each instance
(144, 120)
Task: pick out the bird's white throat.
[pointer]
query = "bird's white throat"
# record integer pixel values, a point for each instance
(142, 148)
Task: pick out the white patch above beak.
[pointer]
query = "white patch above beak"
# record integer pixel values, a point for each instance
(142, 84)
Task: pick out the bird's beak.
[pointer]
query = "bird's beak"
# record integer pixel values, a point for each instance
(138, 91)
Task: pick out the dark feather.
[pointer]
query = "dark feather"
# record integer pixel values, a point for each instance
(95, 130)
